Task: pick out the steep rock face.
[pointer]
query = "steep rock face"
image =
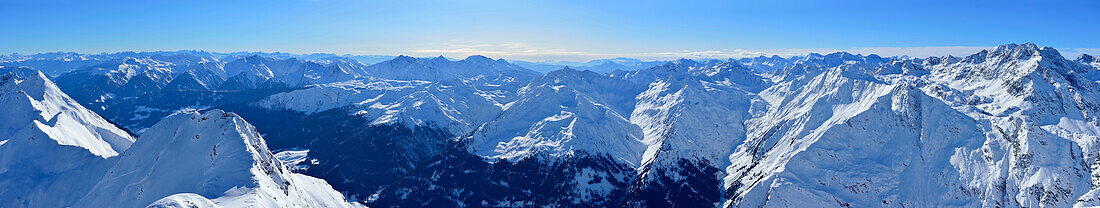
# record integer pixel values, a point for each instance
(356, 155)
(215, 155)
(51, 148)
(691, 118)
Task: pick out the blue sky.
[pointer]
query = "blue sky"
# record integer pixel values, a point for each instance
(548, 30)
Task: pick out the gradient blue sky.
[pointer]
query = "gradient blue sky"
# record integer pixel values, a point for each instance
(548, 30)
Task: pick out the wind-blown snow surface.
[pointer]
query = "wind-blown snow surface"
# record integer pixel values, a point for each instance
(56, 153)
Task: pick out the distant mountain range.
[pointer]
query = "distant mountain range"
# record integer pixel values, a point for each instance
(1011, 126)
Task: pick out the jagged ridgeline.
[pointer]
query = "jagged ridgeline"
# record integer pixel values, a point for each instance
(1010, 126)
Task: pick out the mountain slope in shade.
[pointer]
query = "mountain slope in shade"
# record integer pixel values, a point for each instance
(1089, 60)
(187, 81)
(215, 155)
(51, 148)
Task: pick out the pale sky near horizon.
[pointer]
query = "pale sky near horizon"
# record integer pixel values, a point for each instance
(549, 30)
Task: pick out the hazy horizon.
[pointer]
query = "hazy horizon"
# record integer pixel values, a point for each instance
(785, 53)
(548, 31)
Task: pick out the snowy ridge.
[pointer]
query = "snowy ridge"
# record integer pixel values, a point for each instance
(56, 153)
(32, 99)
(690, 128)
(215, 155)
(50, 146)
(695, 110)
(1009, 127)
(789, 125)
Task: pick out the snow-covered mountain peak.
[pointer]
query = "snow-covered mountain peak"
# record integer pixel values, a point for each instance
(37, 108)
(565, 112)
(937, 60)
(478, 58)
(32, 82)
(254, 59)
(215, 155)
(569, 73)
(766, 63)
(1010, 53)
(439, 68)
(616, 93)
(51, 148)
(711, 72)
(1085, 58)
(1089, 60)
(683, 62)
(406, 59)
